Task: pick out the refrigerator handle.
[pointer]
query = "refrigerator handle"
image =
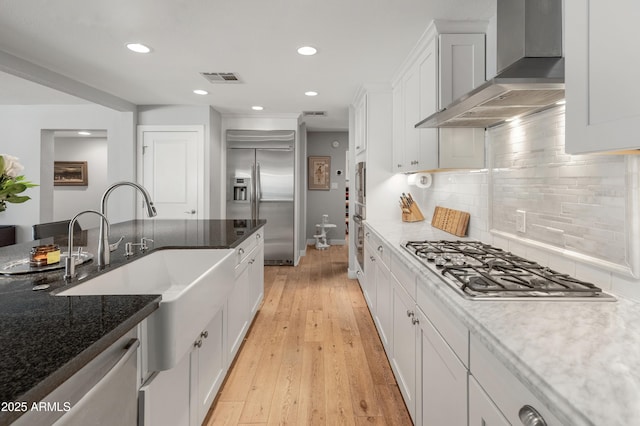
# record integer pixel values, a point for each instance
(253, 192)
(258, 190)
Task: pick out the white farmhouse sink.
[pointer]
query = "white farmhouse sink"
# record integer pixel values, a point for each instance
(194, 284)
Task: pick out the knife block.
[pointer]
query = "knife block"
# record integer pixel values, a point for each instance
(412, 214)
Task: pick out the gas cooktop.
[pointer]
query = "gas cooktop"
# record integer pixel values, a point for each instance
(479, 271)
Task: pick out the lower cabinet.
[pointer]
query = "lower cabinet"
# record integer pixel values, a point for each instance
(207, 367)
(442, 398)
(403, 354)
(482, 410)
(183, 395)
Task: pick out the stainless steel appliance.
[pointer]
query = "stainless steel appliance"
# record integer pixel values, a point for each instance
(530, 69)
(360, 211)
(478, 271)
(260, 185)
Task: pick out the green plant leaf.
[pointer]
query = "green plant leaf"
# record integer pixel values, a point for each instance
(18, 199)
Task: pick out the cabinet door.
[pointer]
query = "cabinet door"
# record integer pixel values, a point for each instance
(411, 102)
(482, 410)
(462, 63)
(256, 278)
(361, 124)
(383, 314)
(462, 68)
(164, 398)
(237, 311)
(602, 61)
(403, 359)
(442, 379)
(428, 71)
(398, 129)
(369, 287)
(207, 366)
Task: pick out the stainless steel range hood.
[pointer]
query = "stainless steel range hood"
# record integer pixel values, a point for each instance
(530, 68)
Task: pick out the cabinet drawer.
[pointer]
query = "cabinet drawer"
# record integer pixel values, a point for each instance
(378, 246)
(504, 389)
(452, 330)
(245, 248)
(404, 275)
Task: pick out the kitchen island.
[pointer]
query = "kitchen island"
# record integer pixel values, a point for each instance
(579, 360)
(45, 339)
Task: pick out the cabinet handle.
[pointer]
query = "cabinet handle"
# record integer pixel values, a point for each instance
(415, 321)
(380, 249)
(410, 313)
(198, 343)
(399, 165)
(373, 259)
(241, 251)
(204, 334)
(258, 236)
(529, 416)
(367, 235)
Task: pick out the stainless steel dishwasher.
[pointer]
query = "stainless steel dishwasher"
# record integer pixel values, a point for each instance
(104, 392)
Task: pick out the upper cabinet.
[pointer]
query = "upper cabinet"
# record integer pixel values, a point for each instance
(360, 124)
(602, 59)
(441, 68)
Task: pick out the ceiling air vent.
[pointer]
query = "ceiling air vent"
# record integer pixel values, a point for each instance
(221, 77)
(314, 113)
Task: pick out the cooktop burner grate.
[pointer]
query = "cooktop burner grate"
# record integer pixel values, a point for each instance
(481, 271)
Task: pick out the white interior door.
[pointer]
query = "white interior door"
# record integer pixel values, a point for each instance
(172, 170)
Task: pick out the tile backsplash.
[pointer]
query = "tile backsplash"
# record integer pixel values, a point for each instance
(579, 209)
(570, 202)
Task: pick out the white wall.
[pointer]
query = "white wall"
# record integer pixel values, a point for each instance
(204, 115)
(331, 202)
(27, 132)
(69, 200)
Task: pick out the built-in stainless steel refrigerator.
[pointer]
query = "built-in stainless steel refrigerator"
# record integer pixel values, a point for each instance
(260, 185)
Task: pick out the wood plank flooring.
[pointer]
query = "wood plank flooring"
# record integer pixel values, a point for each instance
(312, 356)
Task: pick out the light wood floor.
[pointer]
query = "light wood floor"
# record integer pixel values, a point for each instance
(312, 356)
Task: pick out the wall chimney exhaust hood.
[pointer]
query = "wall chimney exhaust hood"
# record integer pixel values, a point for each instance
(530, 68)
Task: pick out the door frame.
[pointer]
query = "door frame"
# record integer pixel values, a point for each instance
(203, 184)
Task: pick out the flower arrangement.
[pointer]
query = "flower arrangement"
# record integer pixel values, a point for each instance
(11, 182)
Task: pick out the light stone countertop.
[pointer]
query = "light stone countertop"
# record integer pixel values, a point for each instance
(581, 359)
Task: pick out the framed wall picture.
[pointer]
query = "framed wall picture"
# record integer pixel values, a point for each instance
(70, 173)
(319, 173)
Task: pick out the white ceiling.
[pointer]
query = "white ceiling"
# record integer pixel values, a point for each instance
(357, 40)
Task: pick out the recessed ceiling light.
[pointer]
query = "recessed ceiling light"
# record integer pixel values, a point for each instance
(138, 48)
(257, 108)
(200, 92)
(311, 93)
(83, 133)
(307, 50)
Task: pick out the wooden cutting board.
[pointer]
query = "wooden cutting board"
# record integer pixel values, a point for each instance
(452, 221)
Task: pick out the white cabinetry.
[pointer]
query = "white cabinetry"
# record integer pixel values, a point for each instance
(403, 355)
(360, 123)
(507, 394)
(442, 398)
(441, 69)
(246, 295)
(377, 287)
(602, 61)
(482, 410)
(207, 367)
(183, 395)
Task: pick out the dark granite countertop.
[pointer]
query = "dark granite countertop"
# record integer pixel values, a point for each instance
(45, 339)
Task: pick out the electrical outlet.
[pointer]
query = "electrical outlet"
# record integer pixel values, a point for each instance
(521, 221)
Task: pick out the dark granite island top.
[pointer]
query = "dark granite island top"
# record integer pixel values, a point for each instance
(45, 339)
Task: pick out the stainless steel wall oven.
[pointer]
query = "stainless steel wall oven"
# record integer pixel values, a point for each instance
(359, 214)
